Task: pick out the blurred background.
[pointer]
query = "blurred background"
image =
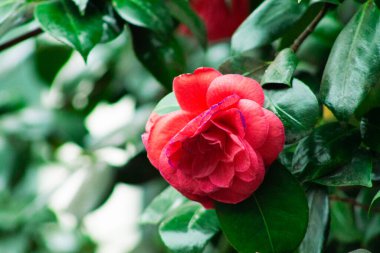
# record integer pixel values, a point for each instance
(74, 177)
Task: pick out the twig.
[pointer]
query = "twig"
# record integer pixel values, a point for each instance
(309, 29)
(21, 38)
(353, 202)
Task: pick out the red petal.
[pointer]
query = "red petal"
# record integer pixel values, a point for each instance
(227, 85)
(222, 175)
(257, 125)
(190, 89)
(275, 140)
(160, 130)
(231, 121)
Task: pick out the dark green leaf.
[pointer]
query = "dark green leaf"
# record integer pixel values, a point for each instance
(161, 206)
(318, 218)
(281, 70)
(167, 104)
(377, 3)
(151, 14)
(244, 65)
(163, 57)
(267, 23)
(323, 151)
(189, 229)
(357, 172)
(82, 4)
(353, 68)
(297, 107)
(370, 129)
(181, 10)
(270, 221)
(81, 32)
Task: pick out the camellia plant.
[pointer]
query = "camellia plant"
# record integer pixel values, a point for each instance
(266, 132)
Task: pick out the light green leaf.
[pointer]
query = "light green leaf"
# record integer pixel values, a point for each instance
(82, 4)
(189, 229)
(157, 210)
(297, 107)
(281, 70)
(377, 196)
(269, 221)
(353, 67)
(267, 23)
(167, 104)
(62, 20)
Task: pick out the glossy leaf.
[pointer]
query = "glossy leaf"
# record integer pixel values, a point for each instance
(82, 4)
(353, 68)
(82, 32)
(297, 107)
(267, 23)
(327, 148)
(281, 70)
(360, 251)
(161, 206)
(244, 65)
(182, 11)
(318, 219)
(357, 172)
(189, 229)
(370, 129)
(167, 104)
(151, 14)
(163, 57)
(269, 221)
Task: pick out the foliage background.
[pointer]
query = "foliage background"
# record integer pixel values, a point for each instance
(74, 176)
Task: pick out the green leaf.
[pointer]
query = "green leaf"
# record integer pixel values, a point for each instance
(297, 107)
(281, 70)
(370, 129)
(377, 196)
(270, 221)
(245, 65)
(62, 20)
(357, 172)
(267, 23)
(324, 150)
(162, 56)
(377, 3)
(82, 4)
(151, 14)
(160, 207)
(113, 25)
(189, 229)
(182, 11)
(318, 219)
(166, 105)
(7, 7)
(353, 67)
(343, 227)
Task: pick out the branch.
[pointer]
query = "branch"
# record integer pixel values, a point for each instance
(21, 38)
(309, 29)
(353, 202)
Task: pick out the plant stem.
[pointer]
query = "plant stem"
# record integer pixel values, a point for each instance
(309, 29)
(353, 202)
(21, 38)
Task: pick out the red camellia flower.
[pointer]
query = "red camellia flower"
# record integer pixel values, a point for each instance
(216, 147)
(220, 17)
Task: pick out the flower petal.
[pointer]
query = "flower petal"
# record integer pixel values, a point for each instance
(222, 175)
(160, 129)
(226, 85)
(190, 89)
(275, 140)
(257, 125)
